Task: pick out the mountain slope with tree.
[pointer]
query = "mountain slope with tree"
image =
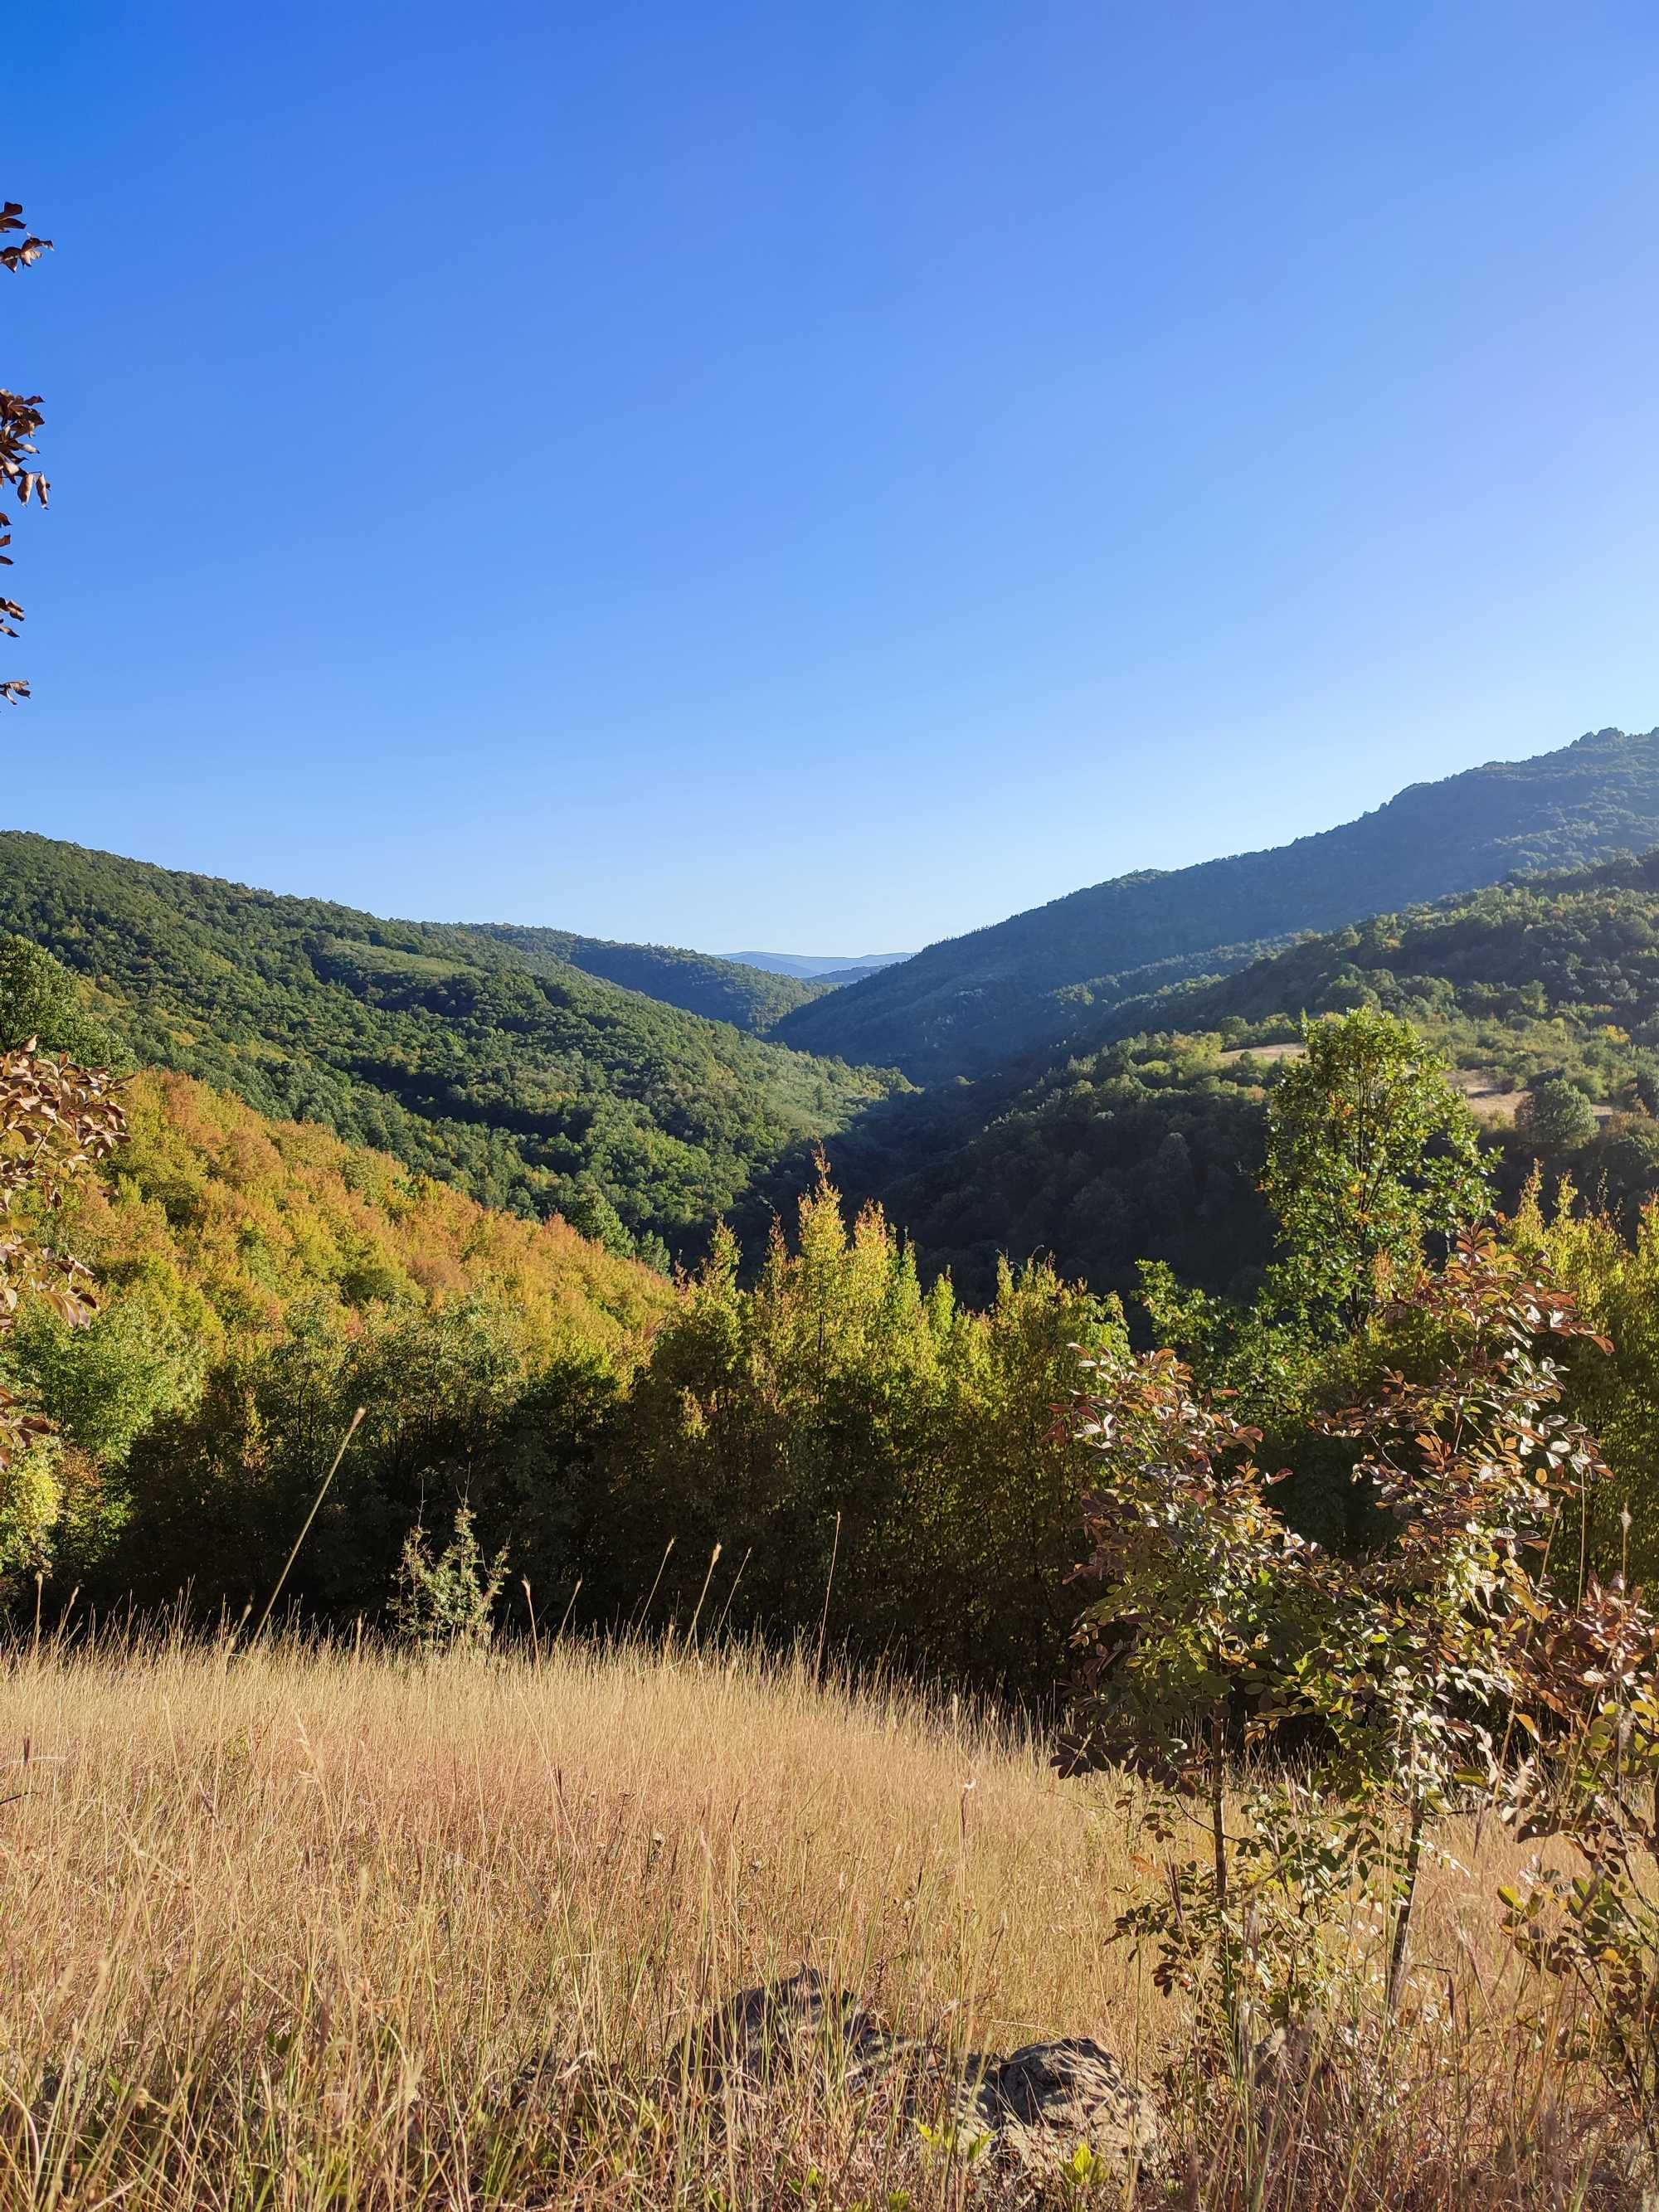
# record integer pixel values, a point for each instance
(1149, 1145)
(524, 1081)
(226, 1245)
(1043, 980)
(1553, 973)
(232, 1230)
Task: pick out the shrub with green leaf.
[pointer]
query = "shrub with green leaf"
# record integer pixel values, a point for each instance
(447, 1601)
(1556, 1114)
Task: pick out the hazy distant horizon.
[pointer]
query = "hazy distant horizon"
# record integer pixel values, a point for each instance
(807, 965)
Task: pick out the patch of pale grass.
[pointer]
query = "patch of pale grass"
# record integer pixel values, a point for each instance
(305, 1928)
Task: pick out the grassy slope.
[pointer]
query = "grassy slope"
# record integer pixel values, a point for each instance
(291, 1931)
(1032, 983)
(527, 1082)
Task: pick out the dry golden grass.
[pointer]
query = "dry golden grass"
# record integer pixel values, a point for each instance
(286, 1929)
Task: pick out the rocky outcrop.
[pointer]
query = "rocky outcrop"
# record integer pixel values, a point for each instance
(781, 2030)
(1034, 2111)
(1048, 2100)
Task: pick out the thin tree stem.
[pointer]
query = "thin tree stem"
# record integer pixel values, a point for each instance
(1229, 2003)
(1402, 1920)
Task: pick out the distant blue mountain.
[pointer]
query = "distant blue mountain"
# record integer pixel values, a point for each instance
(845, 967)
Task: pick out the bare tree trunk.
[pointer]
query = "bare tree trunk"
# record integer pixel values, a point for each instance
(1402, 1919)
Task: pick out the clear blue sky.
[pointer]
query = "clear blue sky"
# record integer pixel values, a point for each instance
(823, 475)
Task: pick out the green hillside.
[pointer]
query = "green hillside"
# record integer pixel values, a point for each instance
(1149, 1146)
(699, 982)
(528, 1081)
(1043, 980)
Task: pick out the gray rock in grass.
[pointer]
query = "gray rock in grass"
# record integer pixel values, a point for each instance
(1031, 2112)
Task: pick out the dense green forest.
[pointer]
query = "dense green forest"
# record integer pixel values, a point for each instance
(1041, 982)
(697, 982)
(1147, 1150)
(528, 1081)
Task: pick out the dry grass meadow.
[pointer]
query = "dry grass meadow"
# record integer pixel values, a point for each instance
(302, 1929)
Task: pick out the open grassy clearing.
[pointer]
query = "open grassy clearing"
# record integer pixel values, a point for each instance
(285, 1931)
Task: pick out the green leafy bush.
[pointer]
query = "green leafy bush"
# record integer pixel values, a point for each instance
(447, 1601)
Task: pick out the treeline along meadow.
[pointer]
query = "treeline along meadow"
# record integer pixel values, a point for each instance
(824, 1443)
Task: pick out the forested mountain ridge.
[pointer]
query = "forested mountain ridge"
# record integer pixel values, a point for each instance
(524, 1081)
(698, 982)
(1045, 979)
(1547, 970)
(1149, 1145)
